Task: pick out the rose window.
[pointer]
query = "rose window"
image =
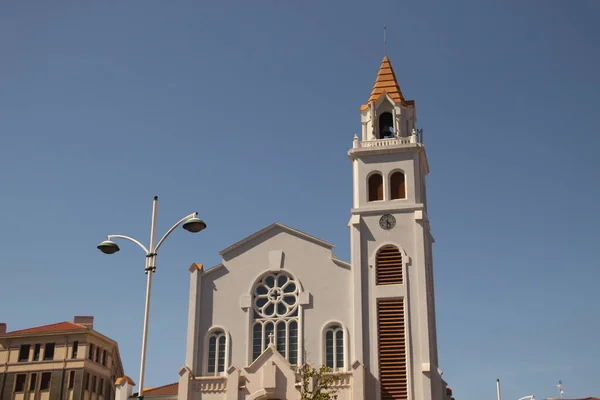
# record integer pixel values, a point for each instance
(276, 295)
(275, 304)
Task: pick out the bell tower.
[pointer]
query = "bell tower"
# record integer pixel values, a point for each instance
(393, 294)
(387, 114)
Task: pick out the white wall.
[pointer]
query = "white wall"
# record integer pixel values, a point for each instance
(410, 234)
(223, 290)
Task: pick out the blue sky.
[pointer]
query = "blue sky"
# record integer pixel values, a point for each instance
(245, 111)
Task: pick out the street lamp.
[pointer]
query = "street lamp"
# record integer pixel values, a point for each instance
(191, 223)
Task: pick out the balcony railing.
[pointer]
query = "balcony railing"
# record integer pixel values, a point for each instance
(209, 384)
(416, 137)
(344, 381)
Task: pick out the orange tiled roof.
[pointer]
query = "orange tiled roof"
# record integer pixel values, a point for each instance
(385, 83)
(122, 379)
(58, 327)
(162, 390)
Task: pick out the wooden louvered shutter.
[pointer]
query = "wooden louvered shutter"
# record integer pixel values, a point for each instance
(392, 349)
(388, 266)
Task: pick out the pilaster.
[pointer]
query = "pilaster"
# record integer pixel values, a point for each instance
(191, 352)
(357, 298)
(233, 383)
(124, 388)
(358, 381)
(420, 327)
(183, 389)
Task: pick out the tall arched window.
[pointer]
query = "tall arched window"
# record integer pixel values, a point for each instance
(388, 266)
(375, 187)
(216, 352)
(275, 306)
(397, 186)
(334, 347)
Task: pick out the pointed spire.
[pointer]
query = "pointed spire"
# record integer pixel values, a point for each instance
(385, 83)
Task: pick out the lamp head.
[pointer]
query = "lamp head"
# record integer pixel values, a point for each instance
(108, 247)
(194, 225)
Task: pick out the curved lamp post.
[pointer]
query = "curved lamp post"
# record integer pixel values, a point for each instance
(191, 223)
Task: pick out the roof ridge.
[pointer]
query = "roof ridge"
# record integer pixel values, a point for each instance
(49, 327)
(283, 227)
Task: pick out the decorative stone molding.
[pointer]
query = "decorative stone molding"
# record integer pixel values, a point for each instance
(304, 298)
(275, 260)
(245, 301)
(217, 384)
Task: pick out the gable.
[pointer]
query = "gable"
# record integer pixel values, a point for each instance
(270, 376)
(267, 233)
(275, 237)
(270, 355)
(226, 293)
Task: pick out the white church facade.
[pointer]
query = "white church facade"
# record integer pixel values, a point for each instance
(281, 298)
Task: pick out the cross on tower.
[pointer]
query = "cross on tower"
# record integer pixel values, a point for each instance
(385, 38)
(271, 338)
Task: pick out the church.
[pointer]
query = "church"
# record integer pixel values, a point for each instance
(280, 298)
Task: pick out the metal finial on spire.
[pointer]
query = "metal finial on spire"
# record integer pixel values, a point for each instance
(385, 38)
(560, 389)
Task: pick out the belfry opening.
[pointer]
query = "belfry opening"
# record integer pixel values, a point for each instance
(386, 125)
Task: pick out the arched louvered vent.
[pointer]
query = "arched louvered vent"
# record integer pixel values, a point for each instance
(388, 266)
(392, 350)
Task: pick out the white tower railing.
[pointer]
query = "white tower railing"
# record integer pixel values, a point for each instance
(395, 141)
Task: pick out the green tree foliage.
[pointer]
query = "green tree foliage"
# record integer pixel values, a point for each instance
(317, 384)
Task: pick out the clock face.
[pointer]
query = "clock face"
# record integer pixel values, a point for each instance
(387, 222)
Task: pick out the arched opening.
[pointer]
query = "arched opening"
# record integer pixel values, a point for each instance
(397, 186)
(388, 266)
(375, 187)
(386, 125)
